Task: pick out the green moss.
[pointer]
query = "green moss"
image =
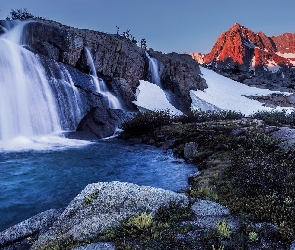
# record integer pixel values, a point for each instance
(147, 232)
(89, 198)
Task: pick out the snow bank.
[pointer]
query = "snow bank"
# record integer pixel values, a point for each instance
(149, 96)
(227, 94)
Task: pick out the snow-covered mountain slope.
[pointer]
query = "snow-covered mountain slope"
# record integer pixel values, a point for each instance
(224, 93)
(149, 96)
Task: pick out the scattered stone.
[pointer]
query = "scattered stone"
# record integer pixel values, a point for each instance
(190, 150)
(167, 144)
(97, 246)
(287, 135)
(209, 208)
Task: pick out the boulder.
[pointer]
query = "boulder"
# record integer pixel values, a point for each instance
(99, 123)
(190, 150)
(97, 246)
(103, 205)
(209, 208)
(29, 227)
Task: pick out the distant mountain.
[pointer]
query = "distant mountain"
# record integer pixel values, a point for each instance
(253, 58)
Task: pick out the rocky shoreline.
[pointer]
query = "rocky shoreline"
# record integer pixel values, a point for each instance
(104, 207)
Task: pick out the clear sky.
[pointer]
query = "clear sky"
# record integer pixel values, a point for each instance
(167, 25)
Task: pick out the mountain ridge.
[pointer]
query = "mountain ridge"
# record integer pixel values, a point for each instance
(241, 50)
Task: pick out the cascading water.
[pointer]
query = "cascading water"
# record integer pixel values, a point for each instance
(30, 104)
(100, 85)
(154, 70)
(155, 77)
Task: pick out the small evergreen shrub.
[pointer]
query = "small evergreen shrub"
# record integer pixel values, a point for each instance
(20, 14)
(276, 118)
(147, 121)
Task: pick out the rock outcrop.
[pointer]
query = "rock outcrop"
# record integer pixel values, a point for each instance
(17, 236)
(253, 58)
(103, 205)
(69, 54)
(99, 123)
(179, 74)
(117, 60)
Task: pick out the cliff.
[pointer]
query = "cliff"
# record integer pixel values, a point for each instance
(117, 60)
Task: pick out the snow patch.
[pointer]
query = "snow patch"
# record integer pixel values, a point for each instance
(149, 96)
(226, 94)
(252, 64)
(286, 55)
(249, 44)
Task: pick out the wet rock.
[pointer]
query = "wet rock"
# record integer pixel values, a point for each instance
(99, 123)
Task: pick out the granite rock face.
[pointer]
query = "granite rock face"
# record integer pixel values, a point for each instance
(117, 60)
(105, 204)
(113, 56)
(179, 74)
(29, 227)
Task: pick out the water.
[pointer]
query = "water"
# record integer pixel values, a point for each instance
(101, 87)
(154, 70)
(34, 181)
(156, 79)
(32, 102)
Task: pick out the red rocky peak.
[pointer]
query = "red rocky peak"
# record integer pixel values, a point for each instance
(239, 45)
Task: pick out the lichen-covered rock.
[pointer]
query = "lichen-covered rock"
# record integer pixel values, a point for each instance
(29, 227)
(97, 246)
(105, 204)
(209, 208)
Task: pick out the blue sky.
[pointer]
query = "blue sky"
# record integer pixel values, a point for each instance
(167, 25)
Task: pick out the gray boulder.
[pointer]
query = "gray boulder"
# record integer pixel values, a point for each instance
(99, 123)
(103, 205)
(209, 208)
(97, 246)
(190, 150)
(29, 227)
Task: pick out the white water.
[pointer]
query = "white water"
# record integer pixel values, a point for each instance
(154, 70)
(155, 77)
(100, 85)
(32, 105)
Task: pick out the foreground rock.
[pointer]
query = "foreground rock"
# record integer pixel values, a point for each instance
(103, 205)
(28, 228)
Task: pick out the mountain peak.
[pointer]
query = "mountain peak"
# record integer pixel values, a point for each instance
(236, 26)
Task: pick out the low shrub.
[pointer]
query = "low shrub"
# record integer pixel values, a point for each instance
(276, 118)
(147, 121)
(147, 232)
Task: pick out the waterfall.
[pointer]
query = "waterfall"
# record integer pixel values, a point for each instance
(31, 102)
(154, 70)
(100, 85)
(155, 77)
